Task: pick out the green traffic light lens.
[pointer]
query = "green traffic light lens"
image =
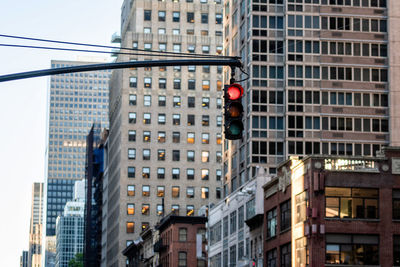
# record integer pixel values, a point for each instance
(235, 128)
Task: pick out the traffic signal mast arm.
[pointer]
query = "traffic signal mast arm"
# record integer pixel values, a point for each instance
(231, 62)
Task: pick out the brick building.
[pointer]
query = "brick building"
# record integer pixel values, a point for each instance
(342, 211)
(182, 241)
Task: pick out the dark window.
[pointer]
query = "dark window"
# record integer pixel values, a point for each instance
(286, 255)
(396, 250)
(396, 204)
(175, 155)
(285, 215)
(271, 258)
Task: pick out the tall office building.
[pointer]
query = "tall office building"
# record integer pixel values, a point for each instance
(70, 227)
(23, 259)
(319, 80)
(36, 226)
(76, 101)
(165, 123)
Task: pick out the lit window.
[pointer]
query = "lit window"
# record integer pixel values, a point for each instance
(160, 191)
(147, 82)
(205, 138)
(219, 138)
(176, 119)
(204, 192)
(205, 173)
(145, 226)
(190, 138)
(130, 227)
(131, 190)
(161, 154)
(146, 190)
(146, 118)
(131, 153)
(175, 191)
(160, 210)
(206, 85)
(189, 210)
(205, 120)
(205, 156)
(205, 102)
(161, 137)
(175, 209)
(146, 136)
(146, 209)
(176, 101)
(190, 17)
(146, 172)
(130, 209)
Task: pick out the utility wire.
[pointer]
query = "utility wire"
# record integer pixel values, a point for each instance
(104, 52)
(106, 46)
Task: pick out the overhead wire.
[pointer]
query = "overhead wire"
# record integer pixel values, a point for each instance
(112, 47)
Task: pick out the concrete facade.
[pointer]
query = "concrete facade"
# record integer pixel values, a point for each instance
(165, 123)
(36, 224)
(344, 211)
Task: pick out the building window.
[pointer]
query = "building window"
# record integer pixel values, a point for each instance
(176, 137)
(177, 49)
(131, 172)
(232, 222)
(145, 226)
(190, 17)
(131, 190)
(271, 258)
(190, 138)
(182, 259)
(190, 174)
(396, 204)
(190, 119)
(191, 102)
(160, 191)
(146, 209)
(146, 136)
(232, 255)
(161, 154)
(147, 15)
(205, 85)
(146, 154)
(271, 223)
(205, 120)
(205, 138)
(354, 203)
(190, 156)
(175, 191)
(218, 18)
(218, 174)
(146, 190)
(396, 250)
(177, 84)
(161, 118)
(132, 100)
(147, 100)
(161, 15)
(205, 102)
(161, 173)
(175, 209)
(205, 49)
(132, 117)
(204, 192)
(146, 173)
(133, 82)
(176, 101)
(189, 210)
(147, 82)
(130, 209)
(175, 155)
(205, 156)
(205, 174)
(162, 47)
(175, 173)
(285, 215)
(286, 255)
(132, 136)
(190, 192)
(175, 16)
(218, 156)
(146, 118)
(130, 227)
(131, 153)
(352, 249)
(176, 119)
(191, 84)
(160, 210)
(161, 137)
(162, 83)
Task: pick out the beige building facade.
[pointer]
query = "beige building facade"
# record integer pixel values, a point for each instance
(322, 80)
(165, 151)
(36, 226)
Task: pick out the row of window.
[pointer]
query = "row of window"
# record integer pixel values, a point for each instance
(177, 31)
(175, 173)
(162, 84)
(175, 193)
(161, 155)
(161, 137)
(176, 119)
(284, 219)
(176, 17)
(284, 253)
(176, 101)
(353, 24)
(332, 148)
(356, 3)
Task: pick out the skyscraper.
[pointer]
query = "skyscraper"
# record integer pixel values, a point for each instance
(165, 123)
(76, 101)
(36, 227)
(319, 80)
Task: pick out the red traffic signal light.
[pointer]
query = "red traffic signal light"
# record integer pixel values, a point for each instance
(233, 111)
(234, 91)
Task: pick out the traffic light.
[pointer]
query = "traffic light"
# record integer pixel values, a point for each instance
(233, 111)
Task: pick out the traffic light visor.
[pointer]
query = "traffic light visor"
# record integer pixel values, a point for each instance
(234, 91)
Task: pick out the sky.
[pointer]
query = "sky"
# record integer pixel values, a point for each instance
(23, 103)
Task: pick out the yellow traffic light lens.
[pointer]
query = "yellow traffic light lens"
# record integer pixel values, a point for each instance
(235, 110)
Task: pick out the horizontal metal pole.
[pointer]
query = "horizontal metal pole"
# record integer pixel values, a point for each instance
(122, 65)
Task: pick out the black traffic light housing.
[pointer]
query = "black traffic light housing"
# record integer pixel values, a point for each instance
(233, 111)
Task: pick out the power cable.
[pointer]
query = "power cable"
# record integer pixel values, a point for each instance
(106, 46)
